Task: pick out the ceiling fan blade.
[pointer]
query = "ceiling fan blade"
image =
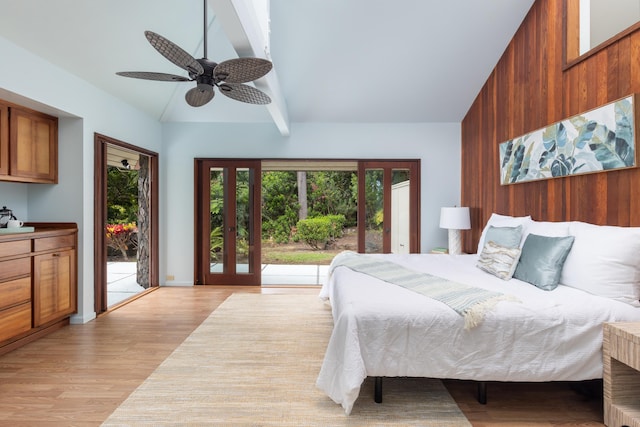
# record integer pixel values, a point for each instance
(197, 97)
(174, 53)
(149, 75)
(244, 93)
(241, 70)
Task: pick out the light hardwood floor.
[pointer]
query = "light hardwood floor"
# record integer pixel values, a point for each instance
(80, 374)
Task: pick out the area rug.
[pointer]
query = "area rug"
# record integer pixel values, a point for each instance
(254, 362)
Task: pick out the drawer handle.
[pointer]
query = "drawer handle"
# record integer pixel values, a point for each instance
(55, 254)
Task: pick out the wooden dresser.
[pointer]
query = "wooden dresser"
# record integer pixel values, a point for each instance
(38, 282)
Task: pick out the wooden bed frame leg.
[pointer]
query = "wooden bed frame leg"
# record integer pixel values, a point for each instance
(377, 393)
(482, 393)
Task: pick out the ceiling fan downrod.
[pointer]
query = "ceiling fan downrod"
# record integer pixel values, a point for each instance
(204, 40)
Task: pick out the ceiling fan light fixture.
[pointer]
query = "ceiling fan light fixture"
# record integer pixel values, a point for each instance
(228, 75)
(204, 87)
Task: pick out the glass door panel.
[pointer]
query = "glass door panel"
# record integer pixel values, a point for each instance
(244, 214)
(388, 207)
(374, 211)
(216, 220)
(231, 254)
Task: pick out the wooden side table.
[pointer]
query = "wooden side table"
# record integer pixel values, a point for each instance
(621, 362)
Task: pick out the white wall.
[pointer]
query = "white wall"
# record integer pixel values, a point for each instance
(84, 110)
(437, 145)
(15, 197)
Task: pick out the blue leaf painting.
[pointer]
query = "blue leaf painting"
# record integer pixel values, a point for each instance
(600, 139)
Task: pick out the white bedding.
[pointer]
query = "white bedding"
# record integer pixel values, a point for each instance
(381, 329)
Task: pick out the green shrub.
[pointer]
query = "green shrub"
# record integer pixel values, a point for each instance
(337, 225)
(280, 228)
(315, 231)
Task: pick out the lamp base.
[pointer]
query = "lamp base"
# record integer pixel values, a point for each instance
(455, 242)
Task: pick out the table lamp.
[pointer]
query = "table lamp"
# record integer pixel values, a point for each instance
(455, 219)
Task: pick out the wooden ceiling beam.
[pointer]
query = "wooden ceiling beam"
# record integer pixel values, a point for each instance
(240, 23)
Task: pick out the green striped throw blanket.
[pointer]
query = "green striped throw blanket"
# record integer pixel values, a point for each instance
(468, 301)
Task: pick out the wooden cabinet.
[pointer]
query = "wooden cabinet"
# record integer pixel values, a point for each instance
(28, 145)
(15, 292)
(33, 146)
(38, 283)
(4, 139)
(54, 277)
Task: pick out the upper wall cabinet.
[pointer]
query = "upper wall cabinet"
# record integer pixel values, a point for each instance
(4, 140)
(33, 146)
(28, 145)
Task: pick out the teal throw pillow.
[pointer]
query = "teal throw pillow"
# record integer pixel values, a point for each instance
(542, 259)
(507, 237)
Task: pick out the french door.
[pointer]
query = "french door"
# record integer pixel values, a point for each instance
(388, 206)
(115, 278)
(228, 226)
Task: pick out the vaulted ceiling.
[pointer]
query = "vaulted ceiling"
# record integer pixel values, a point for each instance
(334, 60)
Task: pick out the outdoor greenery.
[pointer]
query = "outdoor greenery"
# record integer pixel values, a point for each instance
(216, 218)
(297, 257)
(122, 211)
(329, 193)
(122, 196)
(331, 205)
(319, 231)
(333, 193)
(279, 206)
(119, 237)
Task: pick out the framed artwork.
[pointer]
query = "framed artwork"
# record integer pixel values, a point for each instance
(601, 139)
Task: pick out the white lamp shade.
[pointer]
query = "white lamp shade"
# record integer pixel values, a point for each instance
(456, 218)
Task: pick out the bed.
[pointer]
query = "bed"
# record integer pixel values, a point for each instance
(535, 334)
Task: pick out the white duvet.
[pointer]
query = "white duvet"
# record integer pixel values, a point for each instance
(381, 329)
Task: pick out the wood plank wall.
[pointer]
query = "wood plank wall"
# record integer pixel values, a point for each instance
(529, 89)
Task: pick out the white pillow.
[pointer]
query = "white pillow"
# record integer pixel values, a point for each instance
(498, 220)
(547, 228)
(604, 261)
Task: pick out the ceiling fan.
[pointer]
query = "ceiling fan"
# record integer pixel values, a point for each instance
(228, 76)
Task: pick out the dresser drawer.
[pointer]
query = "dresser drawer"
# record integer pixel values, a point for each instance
(16, 247)
(52, 243)
(15, 268)
(15, 292)
(15, 320)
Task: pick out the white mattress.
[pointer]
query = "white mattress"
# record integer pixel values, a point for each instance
(381, 329)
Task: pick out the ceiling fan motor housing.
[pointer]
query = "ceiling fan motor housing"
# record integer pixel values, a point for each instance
(205, 81)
